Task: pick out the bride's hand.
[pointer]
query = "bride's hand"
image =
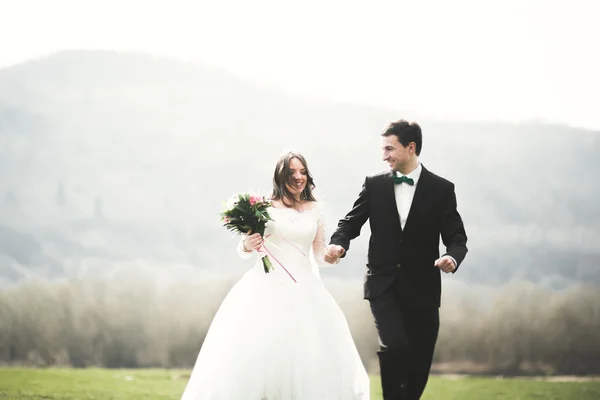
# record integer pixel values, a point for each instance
(333, 253)
(252, 241)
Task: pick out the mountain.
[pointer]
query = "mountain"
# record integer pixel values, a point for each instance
(110, 159)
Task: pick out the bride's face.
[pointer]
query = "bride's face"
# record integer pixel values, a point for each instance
(299, 178)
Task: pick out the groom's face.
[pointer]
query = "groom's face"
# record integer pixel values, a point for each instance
(396, 155)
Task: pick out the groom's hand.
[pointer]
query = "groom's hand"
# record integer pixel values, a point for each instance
(445, 263)
(333, 253)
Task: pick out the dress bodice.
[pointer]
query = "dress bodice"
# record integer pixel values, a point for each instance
(291, 238)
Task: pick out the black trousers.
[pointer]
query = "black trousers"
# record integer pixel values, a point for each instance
(407, 337)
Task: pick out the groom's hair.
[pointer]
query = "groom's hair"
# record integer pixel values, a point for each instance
(406, 132)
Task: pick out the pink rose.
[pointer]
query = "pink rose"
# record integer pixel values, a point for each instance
(255, 199)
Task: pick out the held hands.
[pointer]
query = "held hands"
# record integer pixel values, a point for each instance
(252, 241)
(446, 264)
(333, 253)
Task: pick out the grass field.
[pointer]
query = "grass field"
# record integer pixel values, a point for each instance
(102, 384)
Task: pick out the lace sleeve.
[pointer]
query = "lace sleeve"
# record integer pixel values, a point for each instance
(319, 243)
(240, 250)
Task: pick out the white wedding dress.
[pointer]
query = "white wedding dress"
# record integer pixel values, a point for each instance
(276, 339)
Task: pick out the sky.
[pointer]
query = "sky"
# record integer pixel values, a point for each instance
(510, 60)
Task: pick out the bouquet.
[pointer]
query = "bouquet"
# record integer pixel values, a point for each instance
(246, 212)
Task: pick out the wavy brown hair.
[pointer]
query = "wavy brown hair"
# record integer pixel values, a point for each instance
(283, 175)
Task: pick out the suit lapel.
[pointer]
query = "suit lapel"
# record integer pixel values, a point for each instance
(419, 197)
(391, 195)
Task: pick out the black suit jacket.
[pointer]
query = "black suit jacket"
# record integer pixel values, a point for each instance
(408, 254)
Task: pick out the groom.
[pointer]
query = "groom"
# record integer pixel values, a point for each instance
(408, 209)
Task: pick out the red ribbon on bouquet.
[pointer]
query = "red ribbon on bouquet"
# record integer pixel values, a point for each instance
(264, 249)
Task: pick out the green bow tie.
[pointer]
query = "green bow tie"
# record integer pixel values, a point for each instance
(405, 179)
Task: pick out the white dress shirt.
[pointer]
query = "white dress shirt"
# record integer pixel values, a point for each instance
(405, 193)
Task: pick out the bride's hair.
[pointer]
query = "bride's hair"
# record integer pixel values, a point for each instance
(283, 175)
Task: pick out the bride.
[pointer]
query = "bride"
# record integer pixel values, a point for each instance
(274, 337)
